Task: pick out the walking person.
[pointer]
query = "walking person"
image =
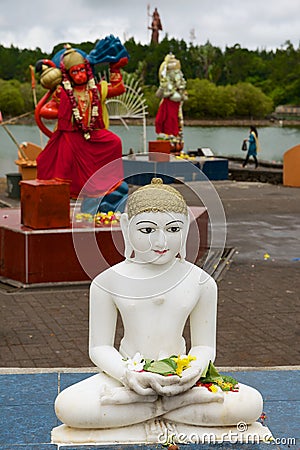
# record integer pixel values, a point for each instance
(253, 146)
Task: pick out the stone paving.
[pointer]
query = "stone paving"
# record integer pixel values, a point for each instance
(49, 327)
(258, 296)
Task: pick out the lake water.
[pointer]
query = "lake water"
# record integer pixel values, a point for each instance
(223, 141)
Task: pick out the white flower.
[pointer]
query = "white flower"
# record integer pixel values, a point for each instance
(95, 111)
(91, 83)
(77, 114)
(136, 363)
(67, 85)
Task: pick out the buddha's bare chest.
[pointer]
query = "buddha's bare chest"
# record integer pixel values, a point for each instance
(176, 303)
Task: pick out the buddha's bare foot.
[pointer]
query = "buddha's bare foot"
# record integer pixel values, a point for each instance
(203, 395)
(197, 394)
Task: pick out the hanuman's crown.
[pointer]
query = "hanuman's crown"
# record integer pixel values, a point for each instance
(71, 57)
(156, 197)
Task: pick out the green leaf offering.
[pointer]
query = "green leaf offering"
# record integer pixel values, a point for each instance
(164, 367)
(226, 382)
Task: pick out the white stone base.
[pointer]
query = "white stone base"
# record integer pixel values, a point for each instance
(158, 431)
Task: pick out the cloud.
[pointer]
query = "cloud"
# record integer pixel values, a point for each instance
(253, 25)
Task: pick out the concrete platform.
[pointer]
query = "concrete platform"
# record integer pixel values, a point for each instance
(27, 415)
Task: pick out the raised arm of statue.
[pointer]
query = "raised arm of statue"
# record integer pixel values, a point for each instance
(116, 85)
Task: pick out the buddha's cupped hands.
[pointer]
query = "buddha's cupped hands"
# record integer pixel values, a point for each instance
(146, 387)
(148, 383)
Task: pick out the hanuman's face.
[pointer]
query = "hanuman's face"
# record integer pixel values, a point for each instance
(78, 74)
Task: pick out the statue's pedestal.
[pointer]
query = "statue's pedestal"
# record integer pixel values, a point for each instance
(159, 431)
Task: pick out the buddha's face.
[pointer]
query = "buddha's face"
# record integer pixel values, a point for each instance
(157, 237)
(78, 74)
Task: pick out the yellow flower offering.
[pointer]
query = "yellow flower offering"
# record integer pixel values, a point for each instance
(174, 365)
(183, 363)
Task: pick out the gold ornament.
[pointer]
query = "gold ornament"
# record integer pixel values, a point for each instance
(50, 77)
(156, 197)
(71, 57)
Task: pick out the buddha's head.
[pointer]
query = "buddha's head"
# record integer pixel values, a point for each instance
(156, 224)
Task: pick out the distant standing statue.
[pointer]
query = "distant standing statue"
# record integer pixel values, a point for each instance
(156, 27)
(81, 144)
(169, 118)
(152, 375)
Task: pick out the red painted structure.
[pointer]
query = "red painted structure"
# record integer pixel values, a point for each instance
(45, 204)
(159, 151)
(29, 256)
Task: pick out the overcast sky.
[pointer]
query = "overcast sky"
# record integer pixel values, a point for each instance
(254, 24)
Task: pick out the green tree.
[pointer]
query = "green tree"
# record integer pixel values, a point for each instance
(201, 98)
(11, 100)
(251, 102)
(285, 75)
(225, 102)
(275, 73)
(239, 64)
(151, 99)
(26, 93)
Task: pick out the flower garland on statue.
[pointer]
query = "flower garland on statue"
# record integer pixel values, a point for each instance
(94, 104)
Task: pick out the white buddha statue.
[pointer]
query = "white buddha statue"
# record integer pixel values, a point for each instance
(156, 291)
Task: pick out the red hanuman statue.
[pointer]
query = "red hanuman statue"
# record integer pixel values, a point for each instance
(81, 144)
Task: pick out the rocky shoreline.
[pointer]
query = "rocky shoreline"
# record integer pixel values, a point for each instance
(242, 123)
(223, 123)
(29, 120)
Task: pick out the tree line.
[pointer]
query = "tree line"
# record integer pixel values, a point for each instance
(231, 83)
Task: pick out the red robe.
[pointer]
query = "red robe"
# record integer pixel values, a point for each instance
(68, 156)
(167, 118)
